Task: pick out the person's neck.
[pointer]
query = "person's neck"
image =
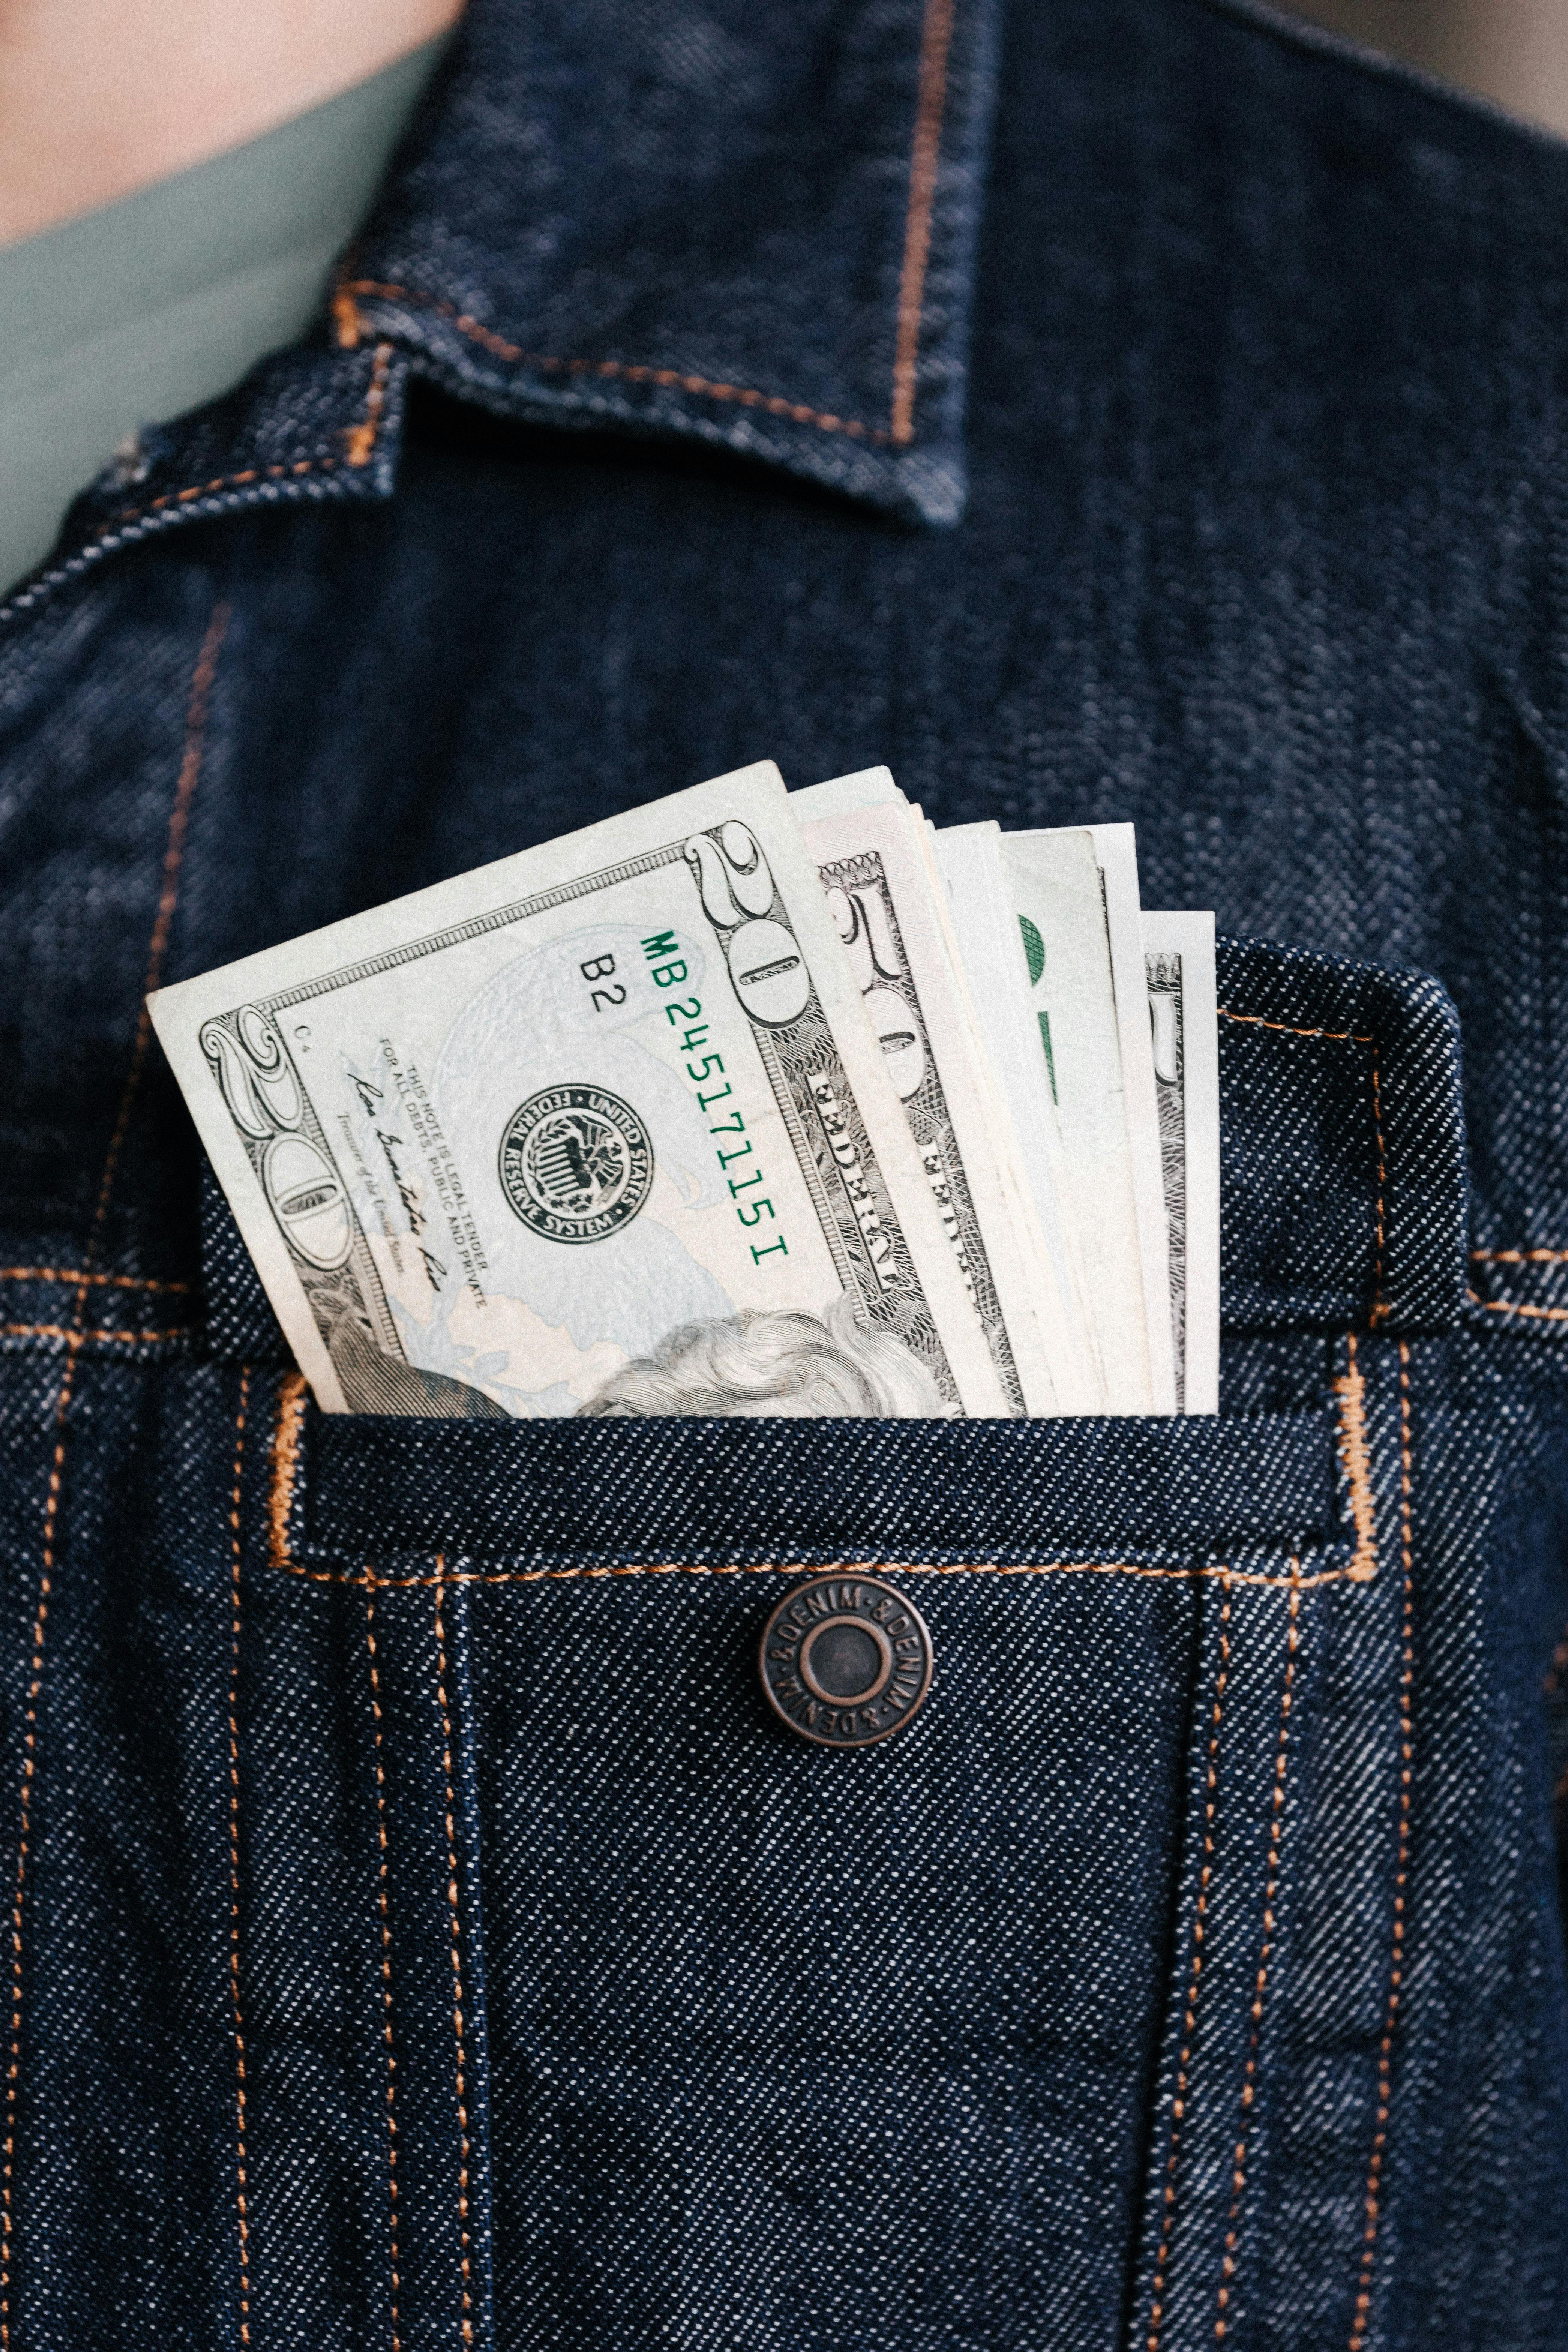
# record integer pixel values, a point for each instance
(99, 97)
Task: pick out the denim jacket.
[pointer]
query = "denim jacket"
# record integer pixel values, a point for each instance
(420, 1932)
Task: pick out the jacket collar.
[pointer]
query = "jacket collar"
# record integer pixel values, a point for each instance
(753, 228)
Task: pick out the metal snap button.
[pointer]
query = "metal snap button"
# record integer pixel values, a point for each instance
(845, 1660)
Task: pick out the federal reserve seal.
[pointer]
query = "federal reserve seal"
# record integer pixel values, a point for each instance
(575, 1162)
(845, 1660)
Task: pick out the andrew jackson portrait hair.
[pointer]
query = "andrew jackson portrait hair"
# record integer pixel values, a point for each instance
(776, 1362)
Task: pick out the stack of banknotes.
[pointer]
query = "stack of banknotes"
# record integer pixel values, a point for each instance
(746, 1102)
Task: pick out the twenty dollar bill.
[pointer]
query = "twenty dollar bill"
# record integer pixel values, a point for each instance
(600, 1128)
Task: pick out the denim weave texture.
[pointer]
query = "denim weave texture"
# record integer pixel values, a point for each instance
(422, 1936)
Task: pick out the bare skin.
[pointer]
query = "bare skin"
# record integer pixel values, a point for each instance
(99, 97)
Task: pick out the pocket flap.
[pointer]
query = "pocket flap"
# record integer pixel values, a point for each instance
(1344, 1187)
(359, 1487)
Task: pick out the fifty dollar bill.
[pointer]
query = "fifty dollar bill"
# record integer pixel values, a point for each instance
(870, 853)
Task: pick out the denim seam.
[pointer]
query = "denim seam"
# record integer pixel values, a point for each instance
(1194, 1976)
(349, 327)
(359, 439)
(1270, 1891)
(369, 1578)
(74, 1335)
(1379, 1310)
(241, 2159)
(1356, 1457)
(925, 157)
(174, 853)
(285, 1499)
(70, 1277)
(464, 2151)
(1523, 1258)
(1363, 2308)
(25, 1804)
(283, 1491)
(1518, 1306)
(168, 885)
(1290, 1029)
(383, 1911)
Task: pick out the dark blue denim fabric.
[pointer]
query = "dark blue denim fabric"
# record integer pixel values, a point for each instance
(421, 1933)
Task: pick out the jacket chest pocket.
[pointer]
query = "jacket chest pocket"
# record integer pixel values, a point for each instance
(615, 2012)
(678, 2010)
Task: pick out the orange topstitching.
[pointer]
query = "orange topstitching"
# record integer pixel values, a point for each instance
(465, 2264)
(359, 439)
(75, 1336)
(185, 784)
(241, 2161)
(291, 1396)
(1351, 1389)
(370, 1579)
(1362, 2311)
(286, 1445)
(69, 1277)
(746, 397)
(1523, 1257)
(1518, 1306)
(384, 1909)
(936, 40)
(1288, 1028)
(1270, 1890)
(1380, 1308)
(1179, 2101)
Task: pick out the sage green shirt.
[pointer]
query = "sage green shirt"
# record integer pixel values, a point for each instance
(147, 308)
